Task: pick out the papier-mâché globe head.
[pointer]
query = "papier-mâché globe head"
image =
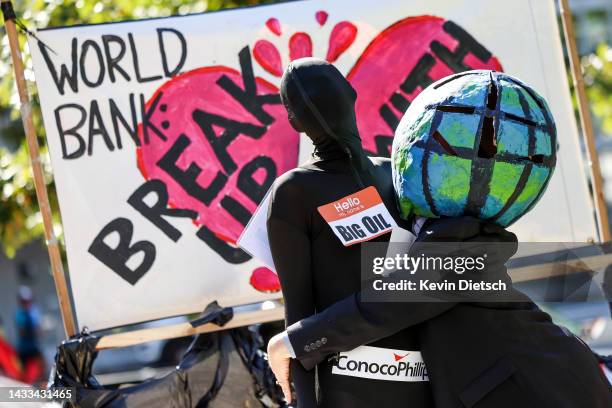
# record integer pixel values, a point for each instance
(479, 143)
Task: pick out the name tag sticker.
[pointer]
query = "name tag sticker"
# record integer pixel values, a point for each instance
(358, 217)
(378, 363)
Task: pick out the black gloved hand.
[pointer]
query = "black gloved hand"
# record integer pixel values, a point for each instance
(467, 237)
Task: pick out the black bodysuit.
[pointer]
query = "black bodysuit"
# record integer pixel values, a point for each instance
(314, 268)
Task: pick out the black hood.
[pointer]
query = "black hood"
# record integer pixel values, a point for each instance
(321, 103)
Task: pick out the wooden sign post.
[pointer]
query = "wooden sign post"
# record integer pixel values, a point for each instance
(57, 268)
(585, 121)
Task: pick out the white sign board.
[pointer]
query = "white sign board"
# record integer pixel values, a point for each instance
(165, 134)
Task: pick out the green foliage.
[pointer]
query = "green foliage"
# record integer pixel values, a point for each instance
(20, 220)
(597, 68)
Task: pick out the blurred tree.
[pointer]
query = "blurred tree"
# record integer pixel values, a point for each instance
(597, 69)
(20, 220)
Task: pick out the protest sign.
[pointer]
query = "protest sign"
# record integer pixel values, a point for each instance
(165, 134)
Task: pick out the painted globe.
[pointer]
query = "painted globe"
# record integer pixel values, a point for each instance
(478, 143)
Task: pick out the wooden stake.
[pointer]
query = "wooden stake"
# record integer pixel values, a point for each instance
(39, 180)
(585, 122)
(240, 319)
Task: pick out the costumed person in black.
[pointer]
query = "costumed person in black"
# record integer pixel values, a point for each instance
(315, 269)
(482, 355)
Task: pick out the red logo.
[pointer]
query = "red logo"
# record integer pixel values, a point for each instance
(398, 357)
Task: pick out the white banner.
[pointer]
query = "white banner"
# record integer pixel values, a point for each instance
(377, 363)
(166, 133)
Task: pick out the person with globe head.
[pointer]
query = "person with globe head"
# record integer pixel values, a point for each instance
(473, 153)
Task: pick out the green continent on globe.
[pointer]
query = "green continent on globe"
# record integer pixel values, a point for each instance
(478, 143)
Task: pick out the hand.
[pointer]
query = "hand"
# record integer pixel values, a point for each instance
(279, 359)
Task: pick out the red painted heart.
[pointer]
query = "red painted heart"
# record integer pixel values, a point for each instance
(230, 127)
(208, 128)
